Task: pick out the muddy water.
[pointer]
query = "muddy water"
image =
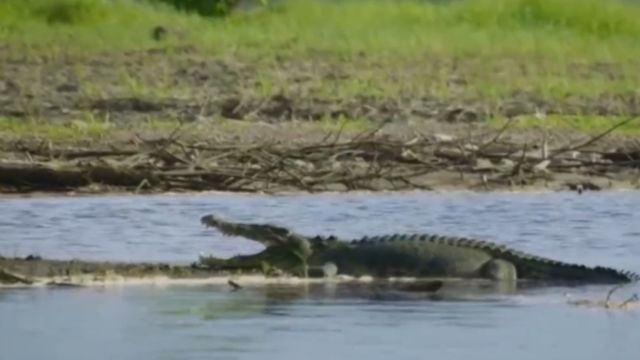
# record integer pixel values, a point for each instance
(320, 321)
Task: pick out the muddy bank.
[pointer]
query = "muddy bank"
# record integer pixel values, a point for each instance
(187, 84)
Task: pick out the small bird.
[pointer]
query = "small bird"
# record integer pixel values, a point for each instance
(159, 33)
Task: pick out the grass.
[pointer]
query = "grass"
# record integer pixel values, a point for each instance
(590, 124)
(546, 28)
(481, 49)
(95, 129)
(87, 129)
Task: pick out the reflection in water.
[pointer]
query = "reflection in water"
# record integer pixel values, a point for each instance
(217, 302)
(316, 321)
(319, 321)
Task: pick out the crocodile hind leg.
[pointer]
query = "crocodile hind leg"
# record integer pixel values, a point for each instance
(304, 266)
(498, 269)
(328, 270)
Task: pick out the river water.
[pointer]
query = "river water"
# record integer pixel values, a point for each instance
(322, 321)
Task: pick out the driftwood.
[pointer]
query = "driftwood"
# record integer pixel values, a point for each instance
(42, 175)
(364, 162)
(234, 285)
(631, 303)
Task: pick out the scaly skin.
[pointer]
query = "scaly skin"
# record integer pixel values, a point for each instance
(30, 270)
(411, 255)
(288, 249)
(8, 277)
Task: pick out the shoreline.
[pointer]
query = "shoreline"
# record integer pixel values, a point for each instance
(285, 159)
(530, 190)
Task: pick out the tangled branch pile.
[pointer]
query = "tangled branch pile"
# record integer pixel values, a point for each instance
(367, 161)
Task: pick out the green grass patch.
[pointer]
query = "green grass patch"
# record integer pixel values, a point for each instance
(93, 129)
(213, 8)
(86, 27)
(580, 124)
(55, 131)
(584, 17)
(407, 27)
(56, 12)
(346, 28)
(88, 128)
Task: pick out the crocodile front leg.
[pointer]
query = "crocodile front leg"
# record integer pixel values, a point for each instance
(304, 265)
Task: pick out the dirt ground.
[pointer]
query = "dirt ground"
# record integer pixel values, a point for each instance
(186, 84)
(272, 143)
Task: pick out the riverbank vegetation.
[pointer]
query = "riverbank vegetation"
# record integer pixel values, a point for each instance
(104, 74)
(553, 48)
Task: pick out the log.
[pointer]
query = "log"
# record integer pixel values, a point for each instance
(38, 176)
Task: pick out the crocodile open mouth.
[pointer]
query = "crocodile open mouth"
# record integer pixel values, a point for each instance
(264, 233)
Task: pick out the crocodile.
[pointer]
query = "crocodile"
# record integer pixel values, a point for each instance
(398, 255)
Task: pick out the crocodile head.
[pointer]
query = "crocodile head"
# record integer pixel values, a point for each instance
(281, 243)
(266, 234)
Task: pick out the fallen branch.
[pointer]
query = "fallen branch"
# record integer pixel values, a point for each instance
(593, 139)
(366, 161)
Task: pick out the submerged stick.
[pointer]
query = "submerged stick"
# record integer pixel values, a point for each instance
(613, 289)
(633, 298)
(234, 285)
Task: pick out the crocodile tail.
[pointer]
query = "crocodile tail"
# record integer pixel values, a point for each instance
(624, 275)
(574, 272)
(537, 267)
